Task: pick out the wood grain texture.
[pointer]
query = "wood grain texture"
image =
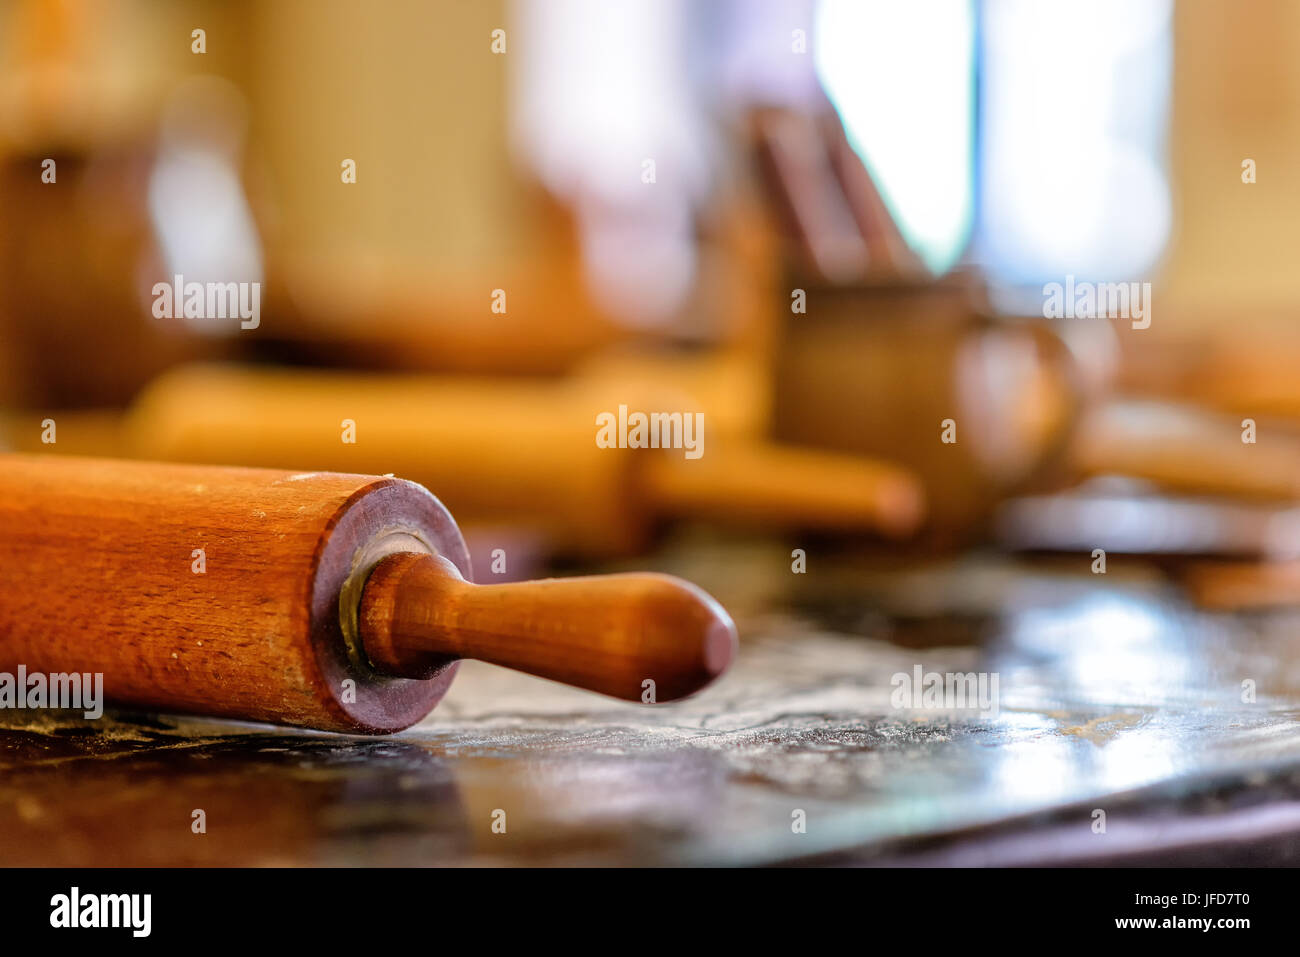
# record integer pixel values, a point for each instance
(96, 575)
(606, 633)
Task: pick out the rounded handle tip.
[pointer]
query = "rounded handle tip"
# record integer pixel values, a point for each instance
(720, 646)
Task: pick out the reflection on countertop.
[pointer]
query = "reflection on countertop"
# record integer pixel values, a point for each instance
(1114, 696)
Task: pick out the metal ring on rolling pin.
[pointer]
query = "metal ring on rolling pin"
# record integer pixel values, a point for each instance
(387, 541)
(380, 519)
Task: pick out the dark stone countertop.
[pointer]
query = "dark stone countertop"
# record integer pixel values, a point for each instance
(1114, 696)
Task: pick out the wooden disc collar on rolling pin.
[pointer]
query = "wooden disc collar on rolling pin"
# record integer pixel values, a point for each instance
(324, 600)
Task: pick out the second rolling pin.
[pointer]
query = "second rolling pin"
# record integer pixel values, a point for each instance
(508, 452)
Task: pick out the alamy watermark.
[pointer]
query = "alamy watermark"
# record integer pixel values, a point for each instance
(1098, 300)
(652, 430)
(74, 909)
(79, 691)
(209, 300)
(949, 691)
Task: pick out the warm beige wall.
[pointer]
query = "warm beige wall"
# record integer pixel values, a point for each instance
(413, 93)
(1235, 252)
(410, 89)
(89, 73)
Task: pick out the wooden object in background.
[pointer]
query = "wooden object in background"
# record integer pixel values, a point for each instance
(97, 558)
(884, 352)
(514, 452)
(341, 312)
(1248, 370)
(84, 235)
(876, 369)
(1180, 448)
(1243, 586)
(833, 219)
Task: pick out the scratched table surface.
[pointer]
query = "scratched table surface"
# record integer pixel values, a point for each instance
(1115, 696)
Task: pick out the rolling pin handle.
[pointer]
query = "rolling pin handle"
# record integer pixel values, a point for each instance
(641, 637)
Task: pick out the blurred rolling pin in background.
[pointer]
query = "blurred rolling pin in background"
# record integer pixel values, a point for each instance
(1214, 496)
(509, 451)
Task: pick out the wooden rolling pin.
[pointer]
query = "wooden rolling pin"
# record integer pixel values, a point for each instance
(1183, 449)
(503, 452)
(323, 600)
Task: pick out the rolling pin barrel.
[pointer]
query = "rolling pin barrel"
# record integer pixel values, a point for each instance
(248, 594)
(210, 590)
